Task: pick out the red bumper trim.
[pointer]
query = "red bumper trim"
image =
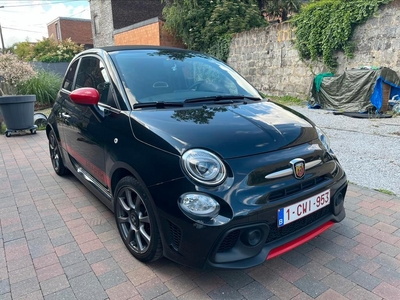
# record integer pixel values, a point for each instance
(299, 241)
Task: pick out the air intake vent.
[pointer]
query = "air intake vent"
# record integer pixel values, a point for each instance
(229, 241)
(176, 236)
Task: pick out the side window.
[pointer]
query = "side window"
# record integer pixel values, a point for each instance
(92, 73)
(69, 77)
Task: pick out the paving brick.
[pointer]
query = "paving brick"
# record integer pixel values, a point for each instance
(385, 227)
(263, 275)
(112, 278)
(283, 289)
(365, 280)
(365, 220)
(365, 251)
(296, 258)
(365, 264)
(40, 247)
(67, 248)
(387, 261)
(316, 270)
(4, 286)
(77, 269)
(366, 229)
(340, 267)
(62, 240)
(71, 258)
(346, 231)
(152, 288)
(54, 284)
(225, 292)
(209, 282)
(91, 246)
(320, 256)
(310, 286)
(14, 235)
(141, 275)
(21, 262)
(285, 270)
(22, 274)
(345, 242)
(104, 266)
(24, 287)
(122, 291)
(389, 276)
(167, 271)
(338, 283)
(65, 294)
(386, 237)
(255, 291)
(331, 295)
(196, 294)
(366, 240)
(387, 291)
(388, 249)
(87, 287)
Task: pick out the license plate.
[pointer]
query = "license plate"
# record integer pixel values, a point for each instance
(303, 208)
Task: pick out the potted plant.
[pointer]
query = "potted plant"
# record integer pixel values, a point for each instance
(17, 110)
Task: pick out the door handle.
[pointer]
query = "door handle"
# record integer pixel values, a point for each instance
(65, 116)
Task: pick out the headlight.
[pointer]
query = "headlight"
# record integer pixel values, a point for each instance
(204, 166)
(199, 205)
(324, 139)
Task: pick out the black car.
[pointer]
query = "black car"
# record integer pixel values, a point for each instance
(194, 163)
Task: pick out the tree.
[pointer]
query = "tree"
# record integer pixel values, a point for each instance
(280, 9)
(207, 25)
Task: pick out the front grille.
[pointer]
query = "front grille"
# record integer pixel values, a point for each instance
(279, 194)
(277, 233)
(229, 241)
(176, 235)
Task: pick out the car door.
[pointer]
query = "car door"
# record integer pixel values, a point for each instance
(83, 125)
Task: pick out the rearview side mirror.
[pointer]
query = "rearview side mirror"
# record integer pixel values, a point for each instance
(85, 96)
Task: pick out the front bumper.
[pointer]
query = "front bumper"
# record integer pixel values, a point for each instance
(254, 210)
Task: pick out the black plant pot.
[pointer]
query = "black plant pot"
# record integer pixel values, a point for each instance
(18, 112)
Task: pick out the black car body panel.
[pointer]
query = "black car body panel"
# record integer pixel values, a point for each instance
(255, 140)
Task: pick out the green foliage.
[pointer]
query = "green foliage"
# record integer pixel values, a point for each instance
(325, 26)
(207, 25)
(44, 85)
(48, 50)
(287, 100)
(23, 50)
(280, 8)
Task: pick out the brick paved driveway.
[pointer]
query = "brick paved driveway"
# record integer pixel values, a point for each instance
(57, 241)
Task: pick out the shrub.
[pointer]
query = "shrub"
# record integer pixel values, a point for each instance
(13, 71)
(44, 85)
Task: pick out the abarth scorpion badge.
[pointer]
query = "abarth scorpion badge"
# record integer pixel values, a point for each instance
(298, 167)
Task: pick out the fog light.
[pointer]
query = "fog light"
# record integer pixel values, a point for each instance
(199, 205)
(252, 237)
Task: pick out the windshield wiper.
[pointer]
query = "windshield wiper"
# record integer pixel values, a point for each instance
(216, 98)
(157, 104)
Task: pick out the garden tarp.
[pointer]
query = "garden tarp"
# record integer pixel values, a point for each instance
(355, 90)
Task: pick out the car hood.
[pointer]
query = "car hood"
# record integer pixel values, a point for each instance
(229, 130)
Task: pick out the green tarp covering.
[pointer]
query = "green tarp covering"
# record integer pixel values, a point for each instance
(353, 90)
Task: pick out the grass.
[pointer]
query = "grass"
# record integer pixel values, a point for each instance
(387, 192)
(287, 100)
(45, 85)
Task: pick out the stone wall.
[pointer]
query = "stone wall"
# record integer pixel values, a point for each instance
(267, 58)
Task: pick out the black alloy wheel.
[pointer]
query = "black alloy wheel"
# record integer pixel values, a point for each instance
(55, 155)
(136, 220)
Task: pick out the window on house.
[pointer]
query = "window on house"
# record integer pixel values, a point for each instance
(58, 31)
(96, 24)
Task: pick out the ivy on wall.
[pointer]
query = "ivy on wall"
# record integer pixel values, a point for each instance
(325, 26)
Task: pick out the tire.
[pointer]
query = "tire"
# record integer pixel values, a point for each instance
(136, 220)
(55, 155)
(33, 131)
(8, 134)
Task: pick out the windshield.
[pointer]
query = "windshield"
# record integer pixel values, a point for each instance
(176, 75)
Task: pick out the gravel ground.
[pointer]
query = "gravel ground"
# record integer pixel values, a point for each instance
(368, 149)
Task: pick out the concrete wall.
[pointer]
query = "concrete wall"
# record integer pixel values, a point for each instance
(267, 58)
(102, 22)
